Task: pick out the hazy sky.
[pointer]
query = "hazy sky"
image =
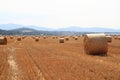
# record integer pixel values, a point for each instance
(61, 13)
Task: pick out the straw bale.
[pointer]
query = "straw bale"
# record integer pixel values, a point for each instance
(3, 40)
(19, 38)
(61, 40)
(36, 39)
(95, 44)
(109, 38)
(67, 38)
(11, 37)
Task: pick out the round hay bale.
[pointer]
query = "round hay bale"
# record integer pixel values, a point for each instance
(67, 38)
(19, 38)
(11, 37)
(23, 37)
(53, 37)
(33, 37)
(3, 40)
(95, 44)
(36, 39)
(109, 38)
(44, 37)
(61, 40)
(56, 37)
(76, 38)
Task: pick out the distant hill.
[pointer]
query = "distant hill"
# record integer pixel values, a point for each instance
(72, 28)
(30, 31)
(16, 26)
(2, 31)
(24, 29)
(78, 29)
(39, 28)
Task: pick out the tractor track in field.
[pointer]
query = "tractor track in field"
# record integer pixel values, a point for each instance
(4, 65)
(14, 71)
(31, 65)
(38, 73)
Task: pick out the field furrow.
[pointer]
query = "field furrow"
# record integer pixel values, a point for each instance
(48, 59)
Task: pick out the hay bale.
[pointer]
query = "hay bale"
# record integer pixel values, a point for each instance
(53, 37)
(19, 38)
(44, 37)
(23, 37)
(33, 37)
(3, 40)
(11, 37)
(56, 37)
(36, 39)
(76, 38)
(95, 44)
(67, 38)
(61, 40)
(109, 38)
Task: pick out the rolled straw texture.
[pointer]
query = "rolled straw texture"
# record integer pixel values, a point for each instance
(95, 44)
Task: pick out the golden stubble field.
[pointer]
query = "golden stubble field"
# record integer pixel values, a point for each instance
(48, 59)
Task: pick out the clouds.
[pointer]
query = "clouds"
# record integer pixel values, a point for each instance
(61, 13)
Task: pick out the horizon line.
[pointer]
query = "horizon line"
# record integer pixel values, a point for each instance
(23, 25)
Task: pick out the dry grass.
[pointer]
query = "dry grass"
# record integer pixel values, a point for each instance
(49, 60)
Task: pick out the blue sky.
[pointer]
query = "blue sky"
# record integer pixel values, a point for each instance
(61, 13)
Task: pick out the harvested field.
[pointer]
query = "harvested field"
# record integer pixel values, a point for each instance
(50, 60)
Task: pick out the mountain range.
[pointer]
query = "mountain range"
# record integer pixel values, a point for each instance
(71, 28)
(16, 26)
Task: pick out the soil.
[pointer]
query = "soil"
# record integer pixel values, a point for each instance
(47, 59)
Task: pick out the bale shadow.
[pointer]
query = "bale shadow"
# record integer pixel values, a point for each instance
(100, 54)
